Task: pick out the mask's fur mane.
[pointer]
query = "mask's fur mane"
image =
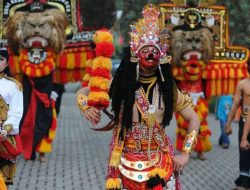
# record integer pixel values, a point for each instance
(50, 24)
(183, 41)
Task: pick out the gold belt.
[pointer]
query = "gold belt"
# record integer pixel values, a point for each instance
(139, 165)
(140, 145)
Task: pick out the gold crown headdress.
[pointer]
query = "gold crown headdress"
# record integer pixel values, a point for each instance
(148, 31)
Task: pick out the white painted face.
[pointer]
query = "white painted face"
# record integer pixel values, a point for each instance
(3, 63)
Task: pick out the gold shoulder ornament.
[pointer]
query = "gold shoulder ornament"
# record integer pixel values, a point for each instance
(183, 100)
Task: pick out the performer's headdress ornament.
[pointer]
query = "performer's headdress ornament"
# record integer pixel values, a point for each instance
(148, 31)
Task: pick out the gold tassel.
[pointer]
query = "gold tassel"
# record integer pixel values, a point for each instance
(2, 184)
(116, 157)
(117, 152)
(158, 171)
(113, 183)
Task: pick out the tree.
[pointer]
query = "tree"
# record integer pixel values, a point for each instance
(239, 21)
(97, 13)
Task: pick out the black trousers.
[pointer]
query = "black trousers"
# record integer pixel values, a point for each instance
(244, 162)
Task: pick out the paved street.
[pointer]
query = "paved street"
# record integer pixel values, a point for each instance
(79, 159)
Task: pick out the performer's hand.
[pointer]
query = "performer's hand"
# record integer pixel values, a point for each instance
(93, 115)
(245, 144)
(180, 161)
(228, 130)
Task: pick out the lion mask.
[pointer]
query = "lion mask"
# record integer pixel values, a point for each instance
(42, 29)
(189, 44)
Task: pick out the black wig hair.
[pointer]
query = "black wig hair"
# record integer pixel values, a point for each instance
(124, 85)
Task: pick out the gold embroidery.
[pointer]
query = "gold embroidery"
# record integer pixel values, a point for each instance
(3, 110)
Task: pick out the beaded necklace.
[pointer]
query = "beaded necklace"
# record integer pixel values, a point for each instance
(150, 115)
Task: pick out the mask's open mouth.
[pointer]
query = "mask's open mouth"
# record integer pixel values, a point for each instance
(36, 42)
(192, 55)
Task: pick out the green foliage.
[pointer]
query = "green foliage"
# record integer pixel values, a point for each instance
(119, 4)
(239, 21)
(97, 13)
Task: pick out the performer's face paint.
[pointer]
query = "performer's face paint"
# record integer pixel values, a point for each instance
(3, 63)
(149, 57)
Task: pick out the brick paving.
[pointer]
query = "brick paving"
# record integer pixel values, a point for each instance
(79, 159)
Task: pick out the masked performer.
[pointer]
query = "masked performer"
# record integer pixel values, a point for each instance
(38, 36)
(191, 48)
(11, 103)
(144, 97)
